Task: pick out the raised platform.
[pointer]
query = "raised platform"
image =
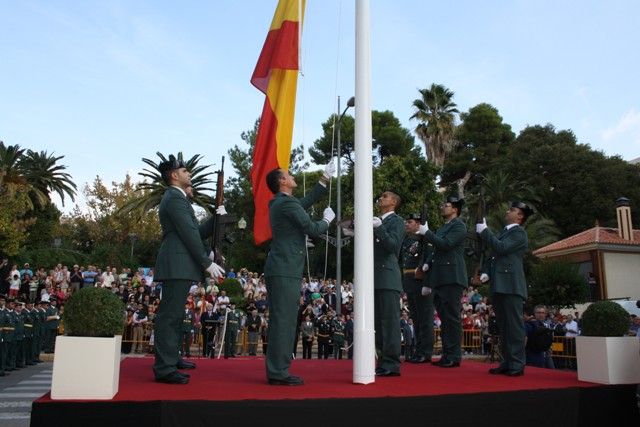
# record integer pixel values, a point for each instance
(234, 392)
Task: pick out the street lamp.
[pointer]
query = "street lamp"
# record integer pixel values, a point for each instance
(350, 103)
(133, 237)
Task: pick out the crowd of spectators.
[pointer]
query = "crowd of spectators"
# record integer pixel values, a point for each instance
(320, 327)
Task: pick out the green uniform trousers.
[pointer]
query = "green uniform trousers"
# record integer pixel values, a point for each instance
(448, 301)
(421, 309)
(168, 326)
(509, 310)
(284, 300)
(387, 326)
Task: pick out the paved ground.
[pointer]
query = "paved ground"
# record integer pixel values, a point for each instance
(19, 389)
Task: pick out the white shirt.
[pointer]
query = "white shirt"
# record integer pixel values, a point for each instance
(572, 329)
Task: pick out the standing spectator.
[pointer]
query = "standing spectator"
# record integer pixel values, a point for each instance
(571, 327)
(14, 285)
(139, 322)
(89, 277)
(539, 339)
(324, 326)
(75, 279)
(26, 270)
(447, 274)
(508, 286)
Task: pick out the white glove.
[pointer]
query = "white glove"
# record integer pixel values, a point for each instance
(329, 170)
(212, 256)
(484, 277)
(215, 270)
(57, 317)
(377, 222)
(482, 226)
(220, 210)
(426, 291)
(328, 215)
(425, 266)
(423, 229)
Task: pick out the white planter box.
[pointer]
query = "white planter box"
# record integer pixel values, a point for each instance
(86, 368)
(608, 360)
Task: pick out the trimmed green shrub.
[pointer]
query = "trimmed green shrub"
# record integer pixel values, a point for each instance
(605, 319)
(94, 312)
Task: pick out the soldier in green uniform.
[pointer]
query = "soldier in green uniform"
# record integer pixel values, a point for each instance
(10, 335)
(3, 342)
(325, 330)
(414, 253)
(290, 225)
(231, 333)
(182, 259)
(51, 326)
(338, 336)
(38, 330)
(27, 316)
(508, 285)
(388, 233)
(19, 335)
(447, 273)
(188, 321)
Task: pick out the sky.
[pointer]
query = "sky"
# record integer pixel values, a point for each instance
(106, 83)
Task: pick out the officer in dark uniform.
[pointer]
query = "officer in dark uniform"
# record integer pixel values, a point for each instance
(388, 232)
(188, 321)
(508, 285)
(338, 336)
(414, 253)
(447, 274)
(10, 335)
(254, 323)
(325, 331)
(27, 317)
(19, 334)
(209, 321)
(38, 329)
(51, 325)
(231, 333)
(3, 342)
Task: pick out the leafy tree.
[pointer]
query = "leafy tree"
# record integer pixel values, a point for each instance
(483, 140)
(45, 175)
(575, 185)
(389, 139)
(435, 112)
(557, 284)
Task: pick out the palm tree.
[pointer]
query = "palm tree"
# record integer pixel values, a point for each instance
(436, 115)
(152, 189)
(10, 171)
(45, 175)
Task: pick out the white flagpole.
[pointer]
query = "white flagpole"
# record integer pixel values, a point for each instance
(364, 339)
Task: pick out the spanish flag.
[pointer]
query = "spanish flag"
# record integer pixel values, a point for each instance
(276, 75)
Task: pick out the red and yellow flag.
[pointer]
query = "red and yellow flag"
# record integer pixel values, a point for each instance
(276, 75)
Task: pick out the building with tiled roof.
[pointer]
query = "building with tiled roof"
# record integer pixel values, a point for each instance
(608, 257)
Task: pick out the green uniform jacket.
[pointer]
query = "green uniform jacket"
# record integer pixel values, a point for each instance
(446, 263)
(387, 242)
(19, 326)
(182, 255)
(289, 225)
(27, 317)
(506, 271)
(53, 323)
(411, 260)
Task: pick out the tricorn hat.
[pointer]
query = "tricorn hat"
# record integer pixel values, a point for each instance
(171, 164)
(415, 216)
(456, 202)
(526, 210)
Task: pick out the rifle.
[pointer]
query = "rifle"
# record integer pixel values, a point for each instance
(481, 212)
(425, 209)
(216, 237)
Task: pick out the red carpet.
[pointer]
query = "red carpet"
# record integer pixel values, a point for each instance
(244, 378)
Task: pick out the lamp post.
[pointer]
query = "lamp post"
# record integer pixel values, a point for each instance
(350, 103)
(133, 237)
